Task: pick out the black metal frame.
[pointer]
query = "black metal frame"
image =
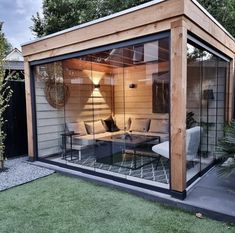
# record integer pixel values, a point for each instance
(199, 43)
(135, 41)
(107, 176)
(144, 39)
(166, 34)
(204, 45)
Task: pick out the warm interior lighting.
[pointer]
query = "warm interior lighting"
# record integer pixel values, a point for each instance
(96, 86)
(94, 76)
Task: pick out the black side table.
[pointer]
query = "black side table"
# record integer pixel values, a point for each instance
(70, 135)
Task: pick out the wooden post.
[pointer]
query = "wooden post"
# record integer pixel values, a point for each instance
(29, 110)
(230, 93)
(178, 108)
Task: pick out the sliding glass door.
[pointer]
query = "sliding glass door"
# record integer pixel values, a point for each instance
(104, 111)
(206, 105)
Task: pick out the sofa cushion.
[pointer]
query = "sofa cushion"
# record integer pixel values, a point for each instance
(95, 127)
(122, 122)
(139, 124)
(77, 127)
(111, 125)
(162, 149)
(81, 128)
(159, 126)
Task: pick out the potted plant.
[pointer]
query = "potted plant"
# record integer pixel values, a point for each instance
(226, 148)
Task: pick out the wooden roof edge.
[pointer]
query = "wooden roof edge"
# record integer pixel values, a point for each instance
(108, 17)
(212, 18)
(185, 10)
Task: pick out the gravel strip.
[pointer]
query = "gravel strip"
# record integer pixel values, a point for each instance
(20, 171)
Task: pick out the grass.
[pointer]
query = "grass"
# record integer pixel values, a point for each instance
(63, 204)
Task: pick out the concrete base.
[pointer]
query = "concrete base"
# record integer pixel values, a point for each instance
(212, 196)
(179, 195)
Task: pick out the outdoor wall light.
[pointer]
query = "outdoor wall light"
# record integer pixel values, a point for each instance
(96, 86)
(132, 85)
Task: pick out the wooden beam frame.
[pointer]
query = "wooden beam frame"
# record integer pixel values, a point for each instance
(178, 106)
(179, 16)
(230, 93)
(204, 22)
(28, 98)
(160, 12)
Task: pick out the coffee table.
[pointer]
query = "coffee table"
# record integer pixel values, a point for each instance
(132, 145)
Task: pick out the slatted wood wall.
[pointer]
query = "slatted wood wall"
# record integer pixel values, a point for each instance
(136, 102)
(85, 103)
(50, 123)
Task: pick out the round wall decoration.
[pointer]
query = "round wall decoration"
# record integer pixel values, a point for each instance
(56, 94)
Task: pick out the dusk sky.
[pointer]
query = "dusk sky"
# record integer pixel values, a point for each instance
(16, 15)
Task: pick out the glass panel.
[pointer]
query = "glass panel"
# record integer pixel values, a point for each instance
(115, 110)
(194, 111)
(206, 85)
(51, 95)
(209, 117)
(79, 110)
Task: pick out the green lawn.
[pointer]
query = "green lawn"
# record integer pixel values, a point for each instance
(62, 204)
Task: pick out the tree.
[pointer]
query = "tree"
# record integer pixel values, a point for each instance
(5, 95)
(37, 27)
(6, 45)
(62, 14)
(223, 11)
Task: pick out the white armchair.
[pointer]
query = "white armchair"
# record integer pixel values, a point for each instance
(193, 136)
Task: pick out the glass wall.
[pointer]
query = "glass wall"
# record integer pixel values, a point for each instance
(206, 88)
(105, 111)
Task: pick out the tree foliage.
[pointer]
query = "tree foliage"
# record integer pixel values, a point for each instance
(226, 147)
(5, 94)
(223, 11)
(5, 44)
(62, 14)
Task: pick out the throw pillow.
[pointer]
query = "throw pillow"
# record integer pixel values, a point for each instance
(122, 122)
(77, 128)
(81, 128)
(95, 127)
(140, 125)
(111, 126)
(159, 126)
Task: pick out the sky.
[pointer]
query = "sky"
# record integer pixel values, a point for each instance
(16, 15)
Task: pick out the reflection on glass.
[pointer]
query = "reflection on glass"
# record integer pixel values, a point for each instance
(108, 110)
(206, 83)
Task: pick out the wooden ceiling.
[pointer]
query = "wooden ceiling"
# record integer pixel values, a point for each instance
(122, 57)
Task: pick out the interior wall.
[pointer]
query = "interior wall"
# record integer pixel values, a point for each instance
(50, 122)
(136, 102)
(85, 102)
